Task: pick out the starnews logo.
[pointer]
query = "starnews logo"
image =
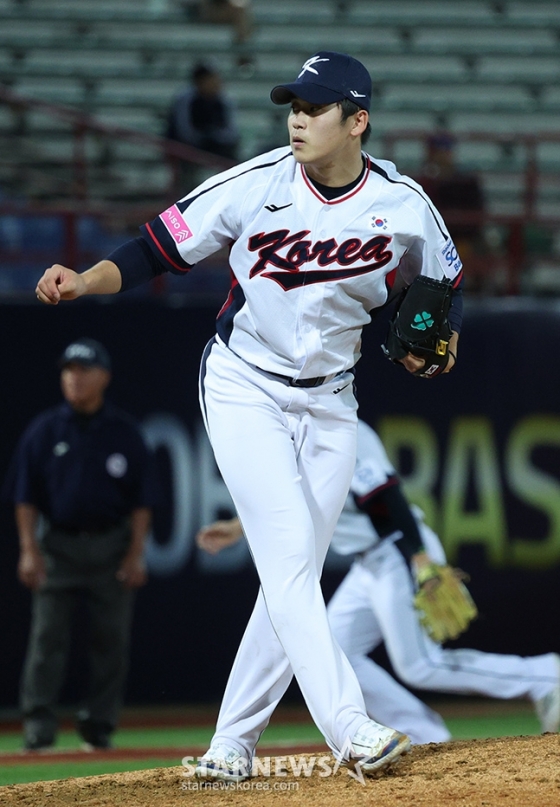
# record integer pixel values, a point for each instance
(269, 768)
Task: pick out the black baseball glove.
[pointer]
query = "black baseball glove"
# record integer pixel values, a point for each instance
(420, 325)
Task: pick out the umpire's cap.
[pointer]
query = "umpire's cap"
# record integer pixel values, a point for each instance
(87, 352)
(326, 78)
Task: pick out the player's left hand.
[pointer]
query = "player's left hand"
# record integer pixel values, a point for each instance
(414, 363)
(420, 336)
(132, 571)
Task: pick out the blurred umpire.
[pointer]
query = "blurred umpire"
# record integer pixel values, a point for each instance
(81, 489)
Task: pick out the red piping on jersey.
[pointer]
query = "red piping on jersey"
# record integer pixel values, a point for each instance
(340, 199)
(457, 279)
(229, 298)
(164, 253)
(390, 278)
(393, 480)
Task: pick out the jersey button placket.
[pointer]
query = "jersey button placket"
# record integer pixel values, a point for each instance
(310, 326)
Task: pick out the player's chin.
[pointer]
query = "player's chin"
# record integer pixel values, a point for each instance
(299, 152)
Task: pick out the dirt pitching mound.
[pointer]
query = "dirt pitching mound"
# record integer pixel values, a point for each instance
(512, 771)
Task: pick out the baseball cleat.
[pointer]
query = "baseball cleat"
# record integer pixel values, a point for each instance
(548, 708)
(376, 747)
(223, 763)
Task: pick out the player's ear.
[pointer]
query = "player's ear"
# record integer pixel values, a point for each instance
(361, 119)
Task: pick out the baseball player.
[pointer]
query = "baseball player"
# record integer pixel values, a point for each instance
(320, 233)
(375, 604)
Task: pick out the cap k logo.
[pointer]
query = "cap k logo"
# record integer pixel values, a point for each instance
(308, 66)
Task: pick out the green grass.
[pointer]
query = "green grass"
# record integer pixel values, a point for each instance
(47, 771)
(507, 725)
(124, 738)
(174, 736)
(462, 728)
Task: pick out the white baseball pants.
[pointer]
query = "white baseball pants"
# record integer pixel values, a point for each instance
(287, 456)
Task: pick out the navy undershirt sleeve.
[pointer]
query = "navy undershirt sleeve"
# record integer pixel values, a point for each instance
(455, 315)
(136, 263)
(389, 511)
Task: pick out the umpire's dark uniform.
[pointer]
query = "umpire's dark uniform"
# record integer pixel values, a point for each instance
(85, 474)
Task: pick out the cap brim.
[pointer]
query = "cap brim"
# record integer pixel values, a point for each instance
(312, 93)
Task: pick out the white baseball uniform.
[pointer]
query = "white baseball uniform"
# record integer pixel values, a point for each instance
(306, 272)
(374, 604)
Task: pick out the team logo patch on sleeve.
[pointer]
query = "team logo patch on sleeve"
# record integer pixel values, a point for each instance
(175, 224)
(449, 259)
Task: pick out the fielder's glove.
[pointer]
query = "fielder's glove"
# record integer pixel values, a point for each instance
(420, 325)
(444, 604)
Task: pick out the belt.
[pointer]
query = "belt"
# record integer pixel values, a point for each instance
(301, 382)
(291, 382)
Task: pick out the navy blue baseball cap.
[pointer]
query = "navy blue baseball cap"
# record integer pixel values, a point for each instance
(327, 78)
(87, 352)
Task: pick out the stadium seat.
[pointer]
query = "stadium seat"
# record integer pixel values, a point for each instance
(426, 12)
(541, 14)
(478, 41)
(512, 69)
(449, 97)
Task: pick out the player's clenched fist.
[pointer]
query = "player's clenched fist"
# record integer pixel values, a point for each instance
(60, 283)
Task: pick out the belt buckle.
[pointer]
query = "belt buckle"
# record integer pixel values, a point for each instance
(308, 382)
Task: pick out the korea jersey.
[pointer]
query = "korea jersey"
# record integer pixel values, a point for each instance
(306, 271)
(354, 531)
